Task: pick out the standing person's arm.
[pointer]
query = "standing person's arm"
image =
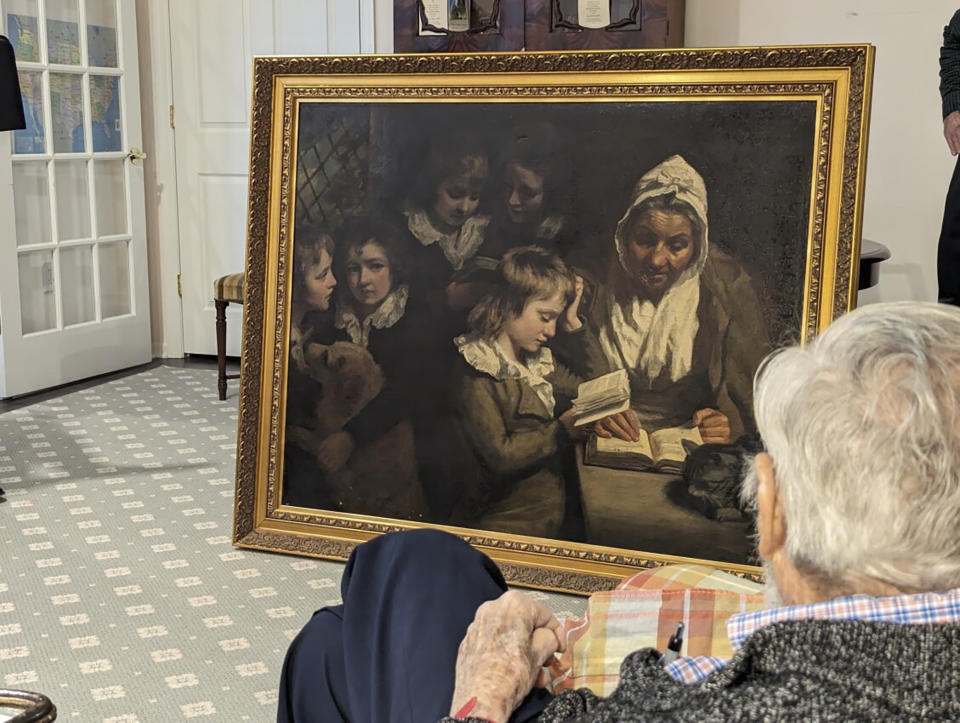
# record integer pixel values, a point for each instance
(950, 83)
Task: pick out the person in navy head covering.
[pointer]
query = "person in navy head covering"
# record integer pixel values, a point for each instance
(11, 106)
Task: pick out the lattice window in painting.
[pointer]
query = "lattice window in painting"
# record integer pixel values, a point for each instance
(332, 172)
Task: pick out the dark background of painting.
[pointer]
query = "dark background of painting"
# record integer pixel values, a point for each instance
(756, 158)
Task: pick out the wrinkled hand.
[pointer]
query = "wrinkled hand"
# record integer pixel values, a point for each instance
(951, 131)
(559, 669)
(622, 425)
(714, 426)
(334, 451)
(501, 656)
(571, 317)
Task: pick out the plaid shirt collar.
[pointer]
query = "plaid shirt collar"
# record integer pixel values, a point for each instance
(928, 607)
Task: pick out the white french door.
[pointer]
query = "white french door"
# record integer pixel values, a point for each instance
(73, 269)
(213, 43)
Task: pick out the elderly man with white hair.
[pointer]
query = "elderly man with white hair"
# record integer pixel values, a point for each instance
(857, 498)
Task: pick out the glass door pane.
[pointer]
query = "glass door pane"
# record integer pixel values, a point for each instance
(22, 27)
(66, 108)
(73, 200)
(115, 279)
(76, 281)
(38, 310)
(102, 33)
(31, 138)
(105, 112)
(108, 182)
(31, 202)
(63, 34)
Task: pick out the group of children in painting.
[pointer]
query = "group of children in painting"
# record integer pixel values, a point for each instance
(483, 331)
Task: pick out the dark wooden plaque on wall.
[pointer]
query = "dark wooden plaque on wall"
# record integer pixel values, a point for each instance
(552, 25)
(496, 25)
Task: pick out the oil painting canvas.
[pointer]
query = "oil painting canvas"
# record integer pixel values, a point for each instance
(529, 308)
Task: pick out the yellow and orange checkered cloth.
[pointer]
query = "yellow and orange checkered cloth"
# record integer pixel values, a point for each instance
(643, 611)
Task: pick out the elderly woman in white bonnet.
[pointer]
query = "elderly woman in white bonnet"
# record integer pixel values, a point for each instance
(680, 316)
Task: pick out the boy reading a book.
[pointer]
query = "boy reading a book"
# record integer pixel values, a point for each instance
(505, 397)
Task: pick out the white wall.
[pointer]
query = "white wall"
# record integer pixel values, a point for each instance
(908, 164)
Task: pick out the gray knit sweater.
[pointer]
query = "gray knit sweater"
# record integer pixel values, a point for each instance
(802, 670)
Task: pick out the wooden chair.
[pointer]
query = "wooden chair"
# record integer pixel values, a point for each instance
(226, 289)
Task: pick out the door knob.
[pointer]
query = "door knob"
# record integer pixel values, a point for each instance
(135, 155)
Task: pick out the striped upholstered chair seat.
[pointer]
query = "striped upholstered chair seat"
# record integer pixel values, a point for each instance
(229, 288)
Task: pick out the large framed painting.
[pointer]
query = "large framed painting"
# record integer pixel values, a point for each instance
(522, 297)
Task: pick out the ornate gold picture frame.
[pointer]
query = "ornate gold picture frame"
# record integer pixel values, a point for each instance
(762, 153)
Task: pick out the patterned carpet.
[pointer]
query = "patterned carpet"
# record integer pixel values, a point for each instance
(121, 597)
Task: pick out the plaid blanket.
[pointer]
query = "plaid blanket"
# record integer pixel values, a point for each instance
(643, 611)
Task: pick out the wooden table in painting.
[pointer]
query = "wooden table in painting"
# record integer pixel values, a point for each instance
(637, 511)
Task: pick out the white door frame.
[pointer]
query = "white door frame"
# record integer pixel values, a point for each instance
(160, 179)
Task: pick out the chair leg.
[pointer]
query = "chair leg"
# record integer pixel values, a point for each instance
(221, 347)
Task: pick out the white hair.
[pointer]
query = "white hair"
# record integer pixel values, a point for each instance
(862, 426)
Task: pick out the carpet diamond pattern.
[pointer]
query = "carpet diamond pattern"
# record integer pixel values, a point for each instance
(121, 596)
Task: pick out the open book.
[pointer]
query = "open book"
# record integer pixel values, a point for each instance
(662, 450)
(602, 397)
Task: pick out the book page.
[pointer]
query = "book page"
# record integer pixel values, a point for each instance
(668, 443)
(620, 446)
(601, 386)
(601, 413)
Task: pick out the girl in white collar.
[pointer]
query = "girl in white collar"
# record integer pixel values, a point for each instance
(504, 395)
(444, 215)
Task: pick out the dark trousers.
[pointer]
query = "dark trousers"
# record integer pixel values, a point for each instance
(948, 250)
(389, 652)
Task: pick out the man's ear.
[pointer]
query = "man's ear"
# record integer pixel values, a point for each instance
(771, 525)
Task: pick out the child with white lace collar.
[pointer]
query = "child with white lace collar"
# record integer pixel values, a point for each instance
(504, 396)
(445, 217)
